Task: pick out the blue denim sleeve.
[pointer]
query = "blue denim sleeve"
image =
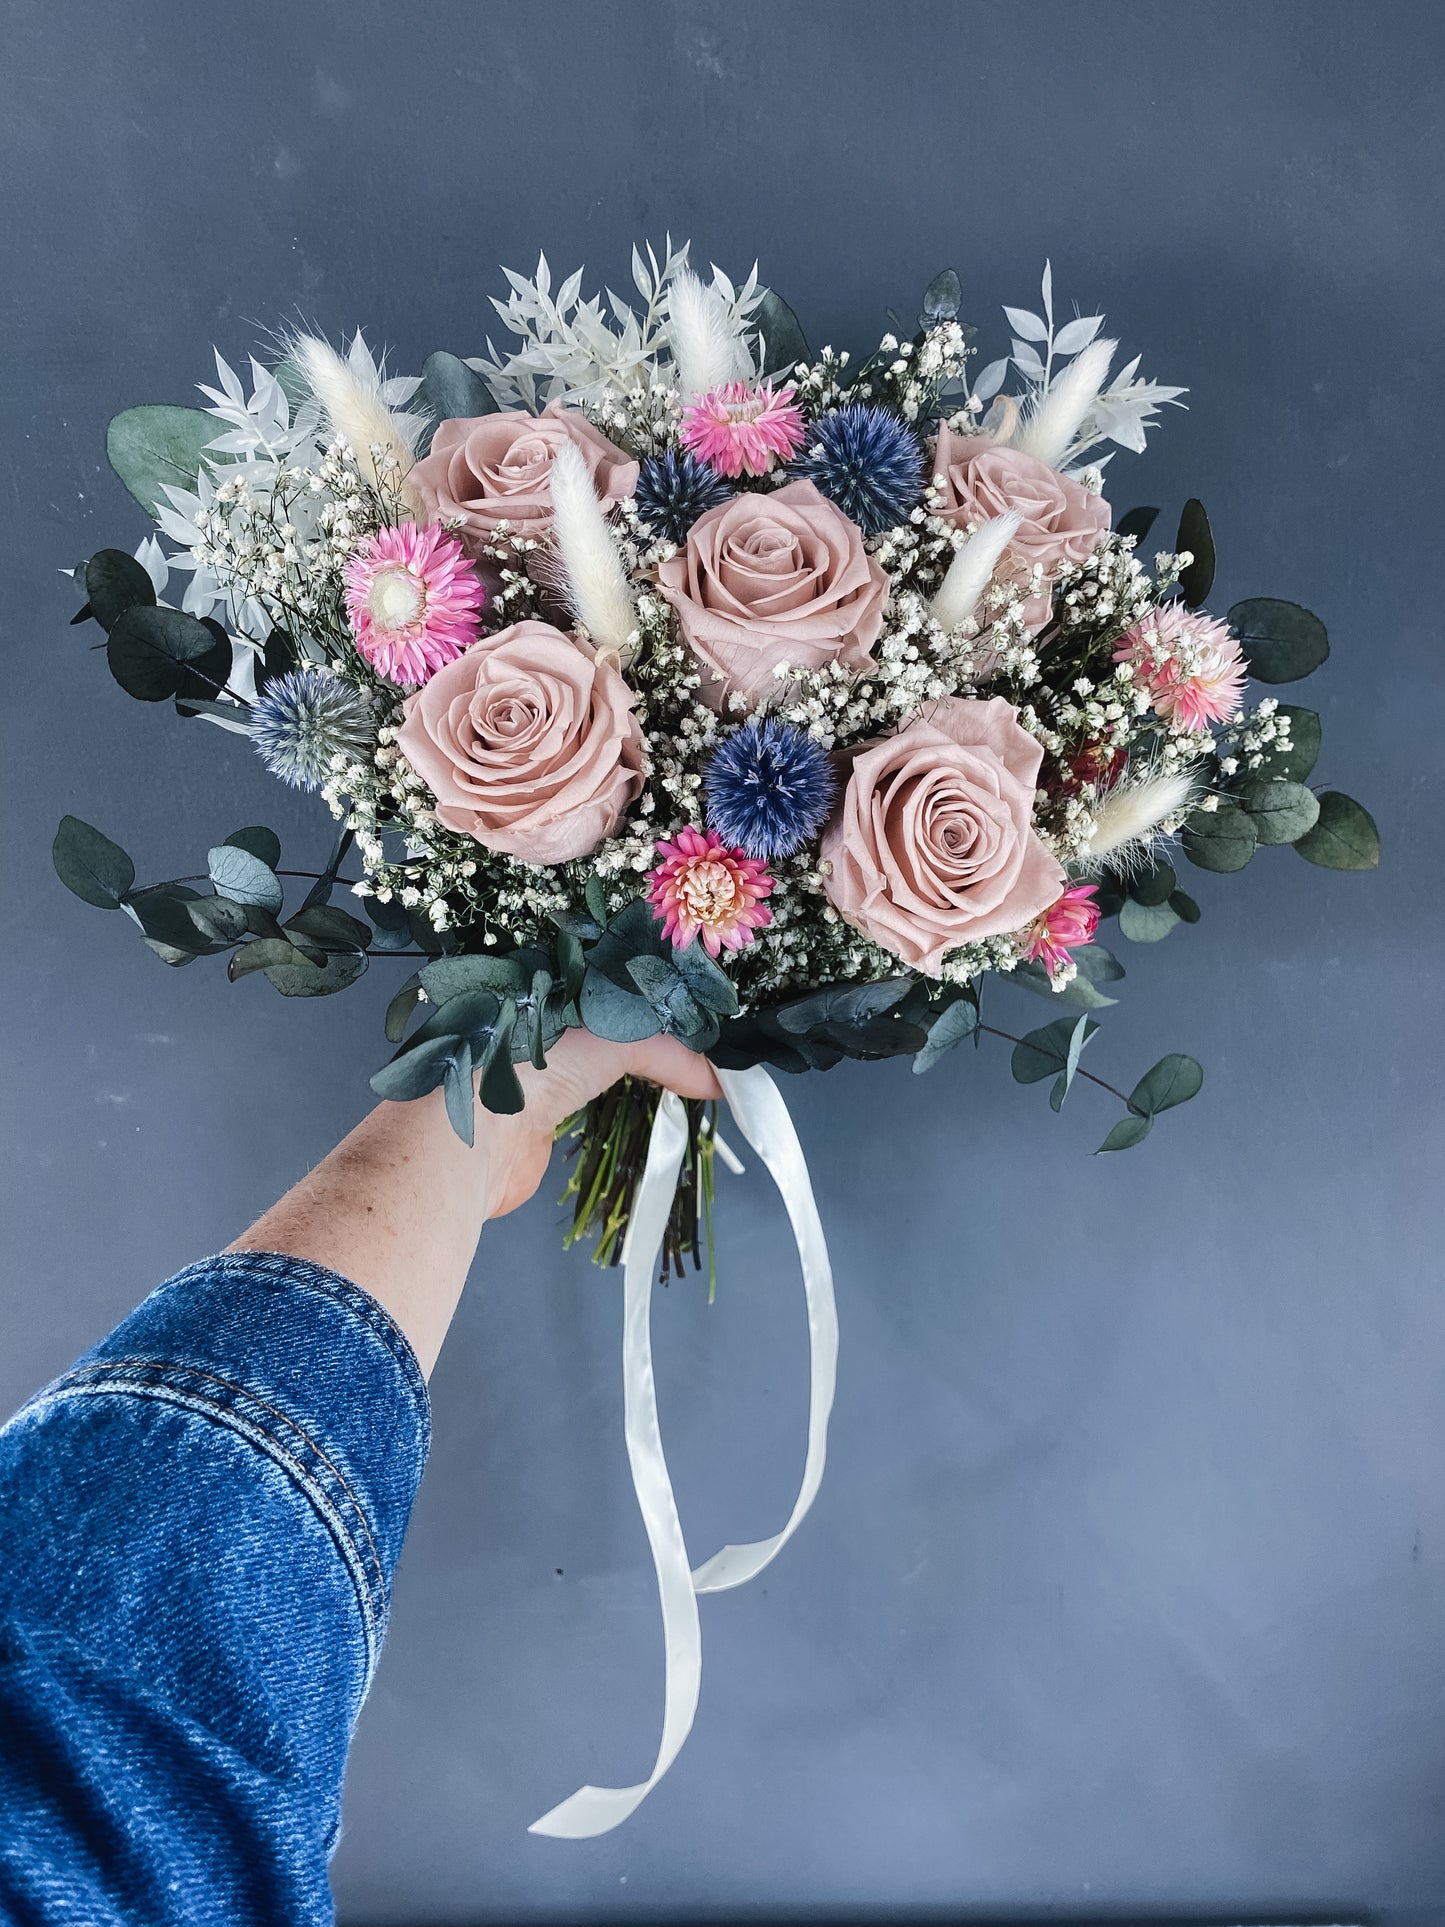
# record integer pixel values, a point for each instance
(198, 1527)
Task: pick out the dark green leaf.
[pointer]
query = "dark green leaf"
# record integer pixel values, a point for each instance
(461, 1098)
(90, 865)
(451, 976)
(654, 977)
(155, 445)
(501, 1088)
(1281, 811)
(1155, 885)
(1297, 761)
(1344, 838)
(115, 582)
(260, 842)
(1173, 1080)
(331, 927)
(1146, 922)
(302, 979)
(474, 1014)
(570, 961)
(279, 657)
(1281, 641)
(450, 391)
(416, 1072)
(1045, 1052)
(1221, 839)
(1128, 1132)
(1096, 966)
(1137, 523)
(1065, 1078)
(398, 1011)
(155, 653)
(267, 953)
(706, 979)
(955, 1022)
(596, 899)
(1184, 906)
(244, 878)
(621, 1016)
(162, 913)
(391, 924)
(942, 299)
(1196, 536)
(784, 343)
(320, 891)
(218, 919)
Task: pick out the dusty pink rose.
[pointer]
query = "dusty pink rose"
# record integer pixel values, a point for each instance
(933, 846)
(1062, 522)
(529, 743)
(773, 578)
(498, 468)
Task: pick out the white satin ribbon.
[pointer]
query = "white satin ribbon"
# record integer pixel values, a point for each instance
(762, 1118)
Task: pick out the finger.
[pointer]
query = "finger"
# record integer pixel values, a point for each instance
(663, 1060)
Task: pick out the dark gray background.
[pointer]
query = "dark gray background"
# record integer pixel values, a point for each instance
(1126, 1588)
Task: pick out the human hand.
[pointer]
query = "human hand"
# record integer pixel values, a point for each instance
(579, 1068)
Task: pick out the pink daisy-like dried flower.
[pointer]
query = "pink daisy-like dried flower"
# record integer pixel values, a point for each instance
(1190, 664)
(702, 887)
(1064, 927)
(414, 601)
(738, 429)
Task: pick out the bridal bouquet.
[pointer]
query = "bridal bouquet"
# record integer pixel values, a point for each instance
(664, 675)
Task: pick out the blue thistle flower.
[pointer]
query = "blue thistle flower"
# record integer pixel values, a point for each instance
(673, 490)
(868, 462)
(768, 788)
(302, 719)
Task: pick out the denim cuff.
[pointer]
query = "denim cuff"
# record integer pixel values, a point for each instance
(310, 1370)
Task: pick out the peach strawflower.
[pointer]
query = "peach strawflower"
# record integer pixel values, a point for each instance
(741, 430)
(414, 601)
(1064, 927)
(703, 888)
(1190, 664)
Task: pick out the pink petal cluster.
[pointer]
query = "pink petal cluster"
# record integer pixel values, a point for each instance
(414, 601)
(1064, 927)
(1190, 664)
(741, 430)
(702, 887)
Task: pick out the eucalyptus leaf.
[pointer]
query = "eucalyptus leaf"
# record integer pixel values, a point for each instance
(90, 865)
(244, 878)
(472, 1013)
(1196, 536)
(1155, 885)
(157, 653)
(391, 926)
(162, 914)
(706, 979)
(265, 954)
(451, 976)
(1344, 837)
(784, 343)
(461, 1098)
(1137, 523)
(621, 1016)
(1094, 965)
(1128, 1132)
(1281, 811)
(450, 391)
(415, 1072)
(1184, 906)
(501, 1089)
(278, 658)
(301, 979)
(331, 926)
(1222, 840)
(218, 919)
(259, 842)
(1173, 1080)
(1281, 641)
(155, 445)
(115, 582)
(1048, 1051)
(320, 891)
(1146, 922)
(955, 1022)
(596, 899)
(398, 1011)
(1297, 761)
(942, 299)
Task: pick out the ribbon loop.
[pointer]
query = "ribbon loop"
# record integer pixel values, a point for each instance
(762, 1118)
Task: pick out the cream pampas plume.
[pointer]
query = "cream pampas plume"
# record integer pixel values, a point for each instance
(596, 582)
(350, 394)
(1050, 427)
(708, 349)
(971, 570)
(1133, 811)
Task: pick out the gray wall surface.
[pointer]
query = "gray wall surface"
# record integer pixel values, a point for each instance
(1126, 1587)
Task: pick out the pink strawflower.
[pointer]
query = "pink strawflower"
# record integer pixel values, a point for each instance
(1190, 664)
(738, 429)
(704, 888)
(1064, 927)
(414, 601)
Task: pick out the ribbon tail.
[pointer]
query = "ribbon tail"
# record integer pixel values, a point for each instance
(593, 1809)
(762, 1117)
